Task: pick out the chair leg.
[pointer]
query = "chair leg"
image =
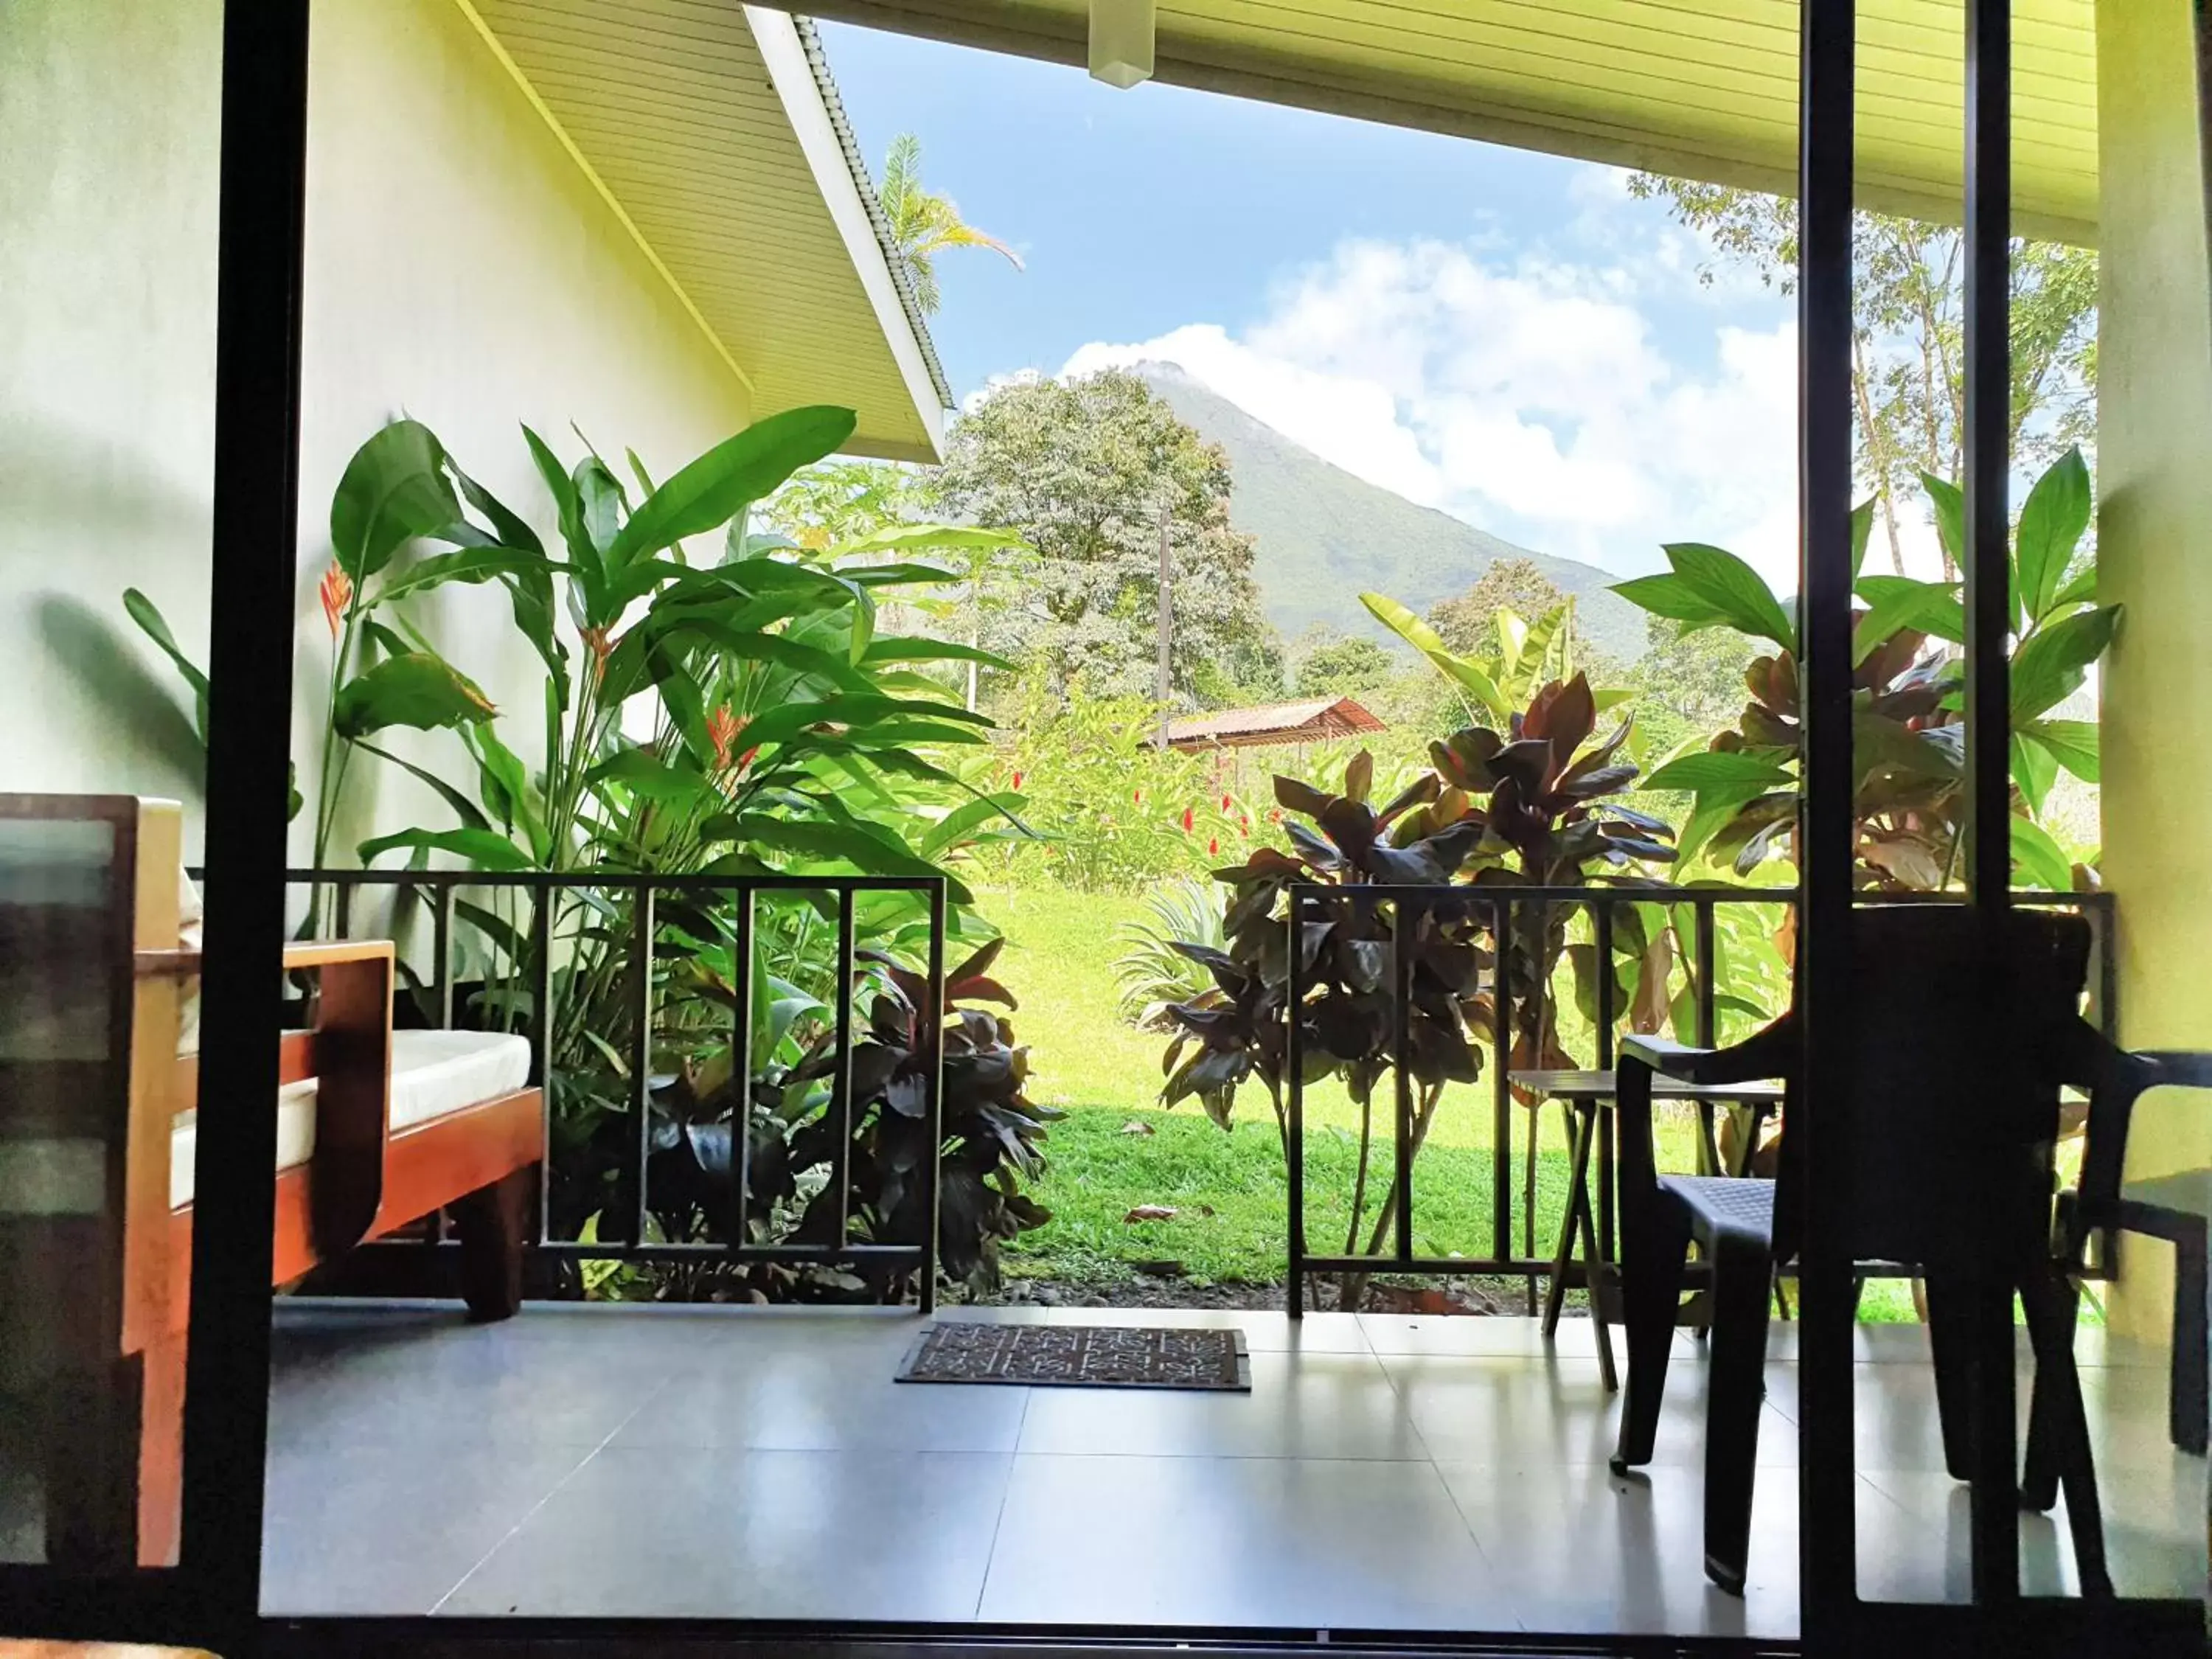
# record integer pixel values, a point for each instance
(2190, 1396)
(2049, 1301)
(2046, 1429)
(1951, 1339)
(490, 1222)
(1577, 1215)
(1651, 1293)
(1736, 1382)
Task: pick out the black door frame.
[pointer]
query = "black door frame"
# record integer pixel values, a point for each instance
(212, 1597)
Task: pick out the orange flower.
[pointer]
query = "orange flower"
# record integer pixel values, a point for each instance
(596, 640)
(337, 592)
(1137, 797)
(1212, 846)
(722, 728)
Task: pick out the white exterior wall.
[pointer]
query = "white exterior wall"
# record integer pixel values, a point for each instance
(460, 269)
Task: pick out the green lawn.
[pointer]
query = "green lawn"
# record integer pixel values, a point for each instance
(1228, 1189)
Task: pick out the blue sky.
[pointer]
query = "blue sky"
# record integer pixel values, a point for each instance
(1507, 336)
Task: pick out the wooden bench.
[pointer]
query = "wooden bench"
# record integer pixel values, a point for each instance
(99, 1125)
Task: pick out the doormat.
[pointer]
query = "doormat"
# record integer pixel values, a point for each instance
(1079, 1356)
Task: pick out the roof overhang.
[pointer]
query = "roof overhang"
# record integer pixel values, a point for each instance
(713, 133)
(1699, 89)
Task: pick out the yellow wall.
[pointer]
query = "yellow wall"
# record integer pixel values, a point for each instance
(2155, 529)
(459, 269)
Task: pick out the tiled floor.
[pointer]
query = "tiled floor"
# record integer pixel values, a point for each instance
(1384, 1472)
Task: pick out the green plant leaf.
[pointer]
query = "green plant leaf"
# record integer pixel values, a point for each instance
(922, 650)
(1897, 603)
(1950, 504)
(1862, 534)
(2050, 667)
(481, 847)
(1667, 595)
(469, 564)
(1425, 640)
(463, 808)
(1720, 769)
(583, 554)
(2051, 522)
(1735, 590)
(2037, 860)
(2073, 743)
(417, 690)
(394, 490)
(708, 493)
(914, 538)
(870, 854)
(2034, 769)
(1878, 741)
(514, 531)
(963, 820)
(645, 774)
(155, 627)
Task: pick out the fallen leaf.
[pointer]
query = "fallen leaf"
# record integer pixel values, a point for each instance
(1151, 1212)
(1133, 1127)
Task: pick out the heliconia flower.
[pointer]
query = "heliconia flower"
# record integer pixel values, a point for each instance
(1243, 825)
(1274, 815)
(1212, 846)
(599, 645)
(336, 592)
(1224, 803)
(1189, 821)
(1136, 798)
(1018, 780)
(722, 728)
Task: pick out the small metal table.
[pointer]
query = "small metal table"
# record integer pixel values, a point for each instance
(1587, 1100)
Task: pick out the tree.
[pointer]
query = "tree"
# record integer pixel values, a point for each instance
(1468, 623)
(1082, 469)
(1689, 682)
(924, 222)
(1342, 664)
(1908, 395)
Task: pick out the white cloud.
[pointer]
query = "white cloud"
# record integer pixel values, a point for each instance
(1537, 398)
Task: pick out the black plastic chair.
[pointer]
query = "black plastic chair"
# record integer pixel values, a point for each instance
(1934, 1115)
(2175, 1208)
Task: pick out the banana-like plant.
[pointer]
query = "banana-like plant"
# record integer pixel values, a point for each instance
(1496, 685)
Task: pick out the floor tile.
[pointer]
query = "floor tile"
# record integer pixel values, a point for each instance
(1303, 1405)
(352, 1528)
(1505, 1412)
(806, 1395)
(1585, 1552)
(895, 1536)
(1283, 1543)
(1499, 1336)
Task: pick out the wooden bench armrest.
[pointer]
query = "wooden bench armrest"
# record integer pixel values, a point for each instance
(327, 952)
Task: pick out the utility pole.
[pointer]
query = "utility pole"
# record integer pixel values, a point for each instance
(1162, 684)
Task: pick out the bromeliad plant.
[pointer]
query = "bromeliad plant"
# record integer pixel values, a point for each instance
(1907, 699)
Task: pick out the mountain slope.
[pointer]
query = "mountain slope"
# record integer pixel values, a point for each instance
(1325, 536)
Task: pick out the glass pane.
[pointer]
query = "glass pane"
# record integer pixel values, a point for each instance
(108, 156)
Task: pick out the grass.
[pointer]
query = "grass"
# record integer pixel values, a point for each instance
(1228, 1188)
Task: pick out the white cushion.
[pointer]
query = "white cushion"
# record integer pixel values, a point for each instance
(432, 1073)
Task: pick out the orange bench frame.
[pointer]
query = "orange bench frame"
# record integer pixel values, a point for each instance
(363, 1181)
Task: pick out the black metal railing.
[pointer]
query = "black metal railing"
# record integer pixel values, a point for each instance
(437, 994)
(1503, 904)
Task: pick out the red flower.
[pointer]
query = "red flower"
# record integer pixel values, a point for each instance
(336, 592)
(1243, 825)
(1018, 780)
(1136, 798)
(722, 728)
(1212, 846)
(1224, 803)
(1274, 815)
(1188, 825)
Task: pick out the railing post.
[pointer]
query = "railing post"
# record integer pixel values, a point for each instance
(1501, 1083)
(640, 1049)
(1294, 1138)
(541, 1044)
(1403, 911)
(1707, 1006)
(441, 950)
(840, 1097)
(1601, 933)
(934, 1111)
(741, 1073)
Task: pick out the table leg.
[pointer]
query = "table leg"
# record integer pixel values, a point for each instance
(1579, 1128)
(1709, 1148)
(1602, 1285)
(1529, 1193)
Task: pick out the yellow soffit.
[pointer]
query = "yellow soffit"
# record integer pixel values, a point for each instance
(1700, 88)
(712, 131)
